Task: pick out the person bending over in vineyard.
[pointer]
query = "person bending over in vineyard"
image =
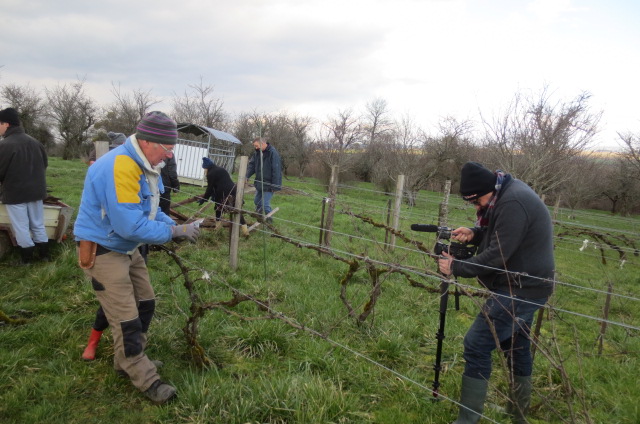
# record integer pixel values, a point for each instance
(515, 262)
(118, 212)
(100, 322)
(222, 189)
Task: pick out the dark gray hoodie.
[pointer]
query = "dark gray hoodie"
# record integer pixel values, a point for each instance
(518, 238)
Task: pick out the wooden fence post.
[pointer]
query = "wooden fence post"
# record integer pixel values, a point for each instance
(333, 189)
(234, 240)
(102, 147)
(387, 233)
(603, 325)
(444, 205)
(556, 209)
(396, 209)
(324, 207)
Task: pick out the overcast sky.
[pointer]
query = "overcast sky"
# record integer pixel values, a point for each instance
(427, 58)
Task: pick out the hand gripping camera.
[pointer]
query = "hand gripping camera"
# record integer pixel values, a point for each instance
(457, 250)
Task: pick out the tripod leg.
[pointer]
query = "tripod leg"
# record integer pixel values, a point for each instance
(437, 367)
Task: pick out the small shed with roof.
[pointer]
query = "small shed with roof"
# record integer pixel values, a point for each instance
(197, 141)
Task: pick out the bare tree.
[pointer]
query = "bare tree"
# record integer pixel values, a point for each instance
(617, 187)
(32, 109)
(338, 135)
(300, 150)
(449, 149)
(535, 138)
(289, 134)
(199, 106)
(378, 130)
(582, 184)
(126, 110)
(248, 126)
(402, 154)
(425, 160)
(631, 152)
(376, 120)
(73, 113)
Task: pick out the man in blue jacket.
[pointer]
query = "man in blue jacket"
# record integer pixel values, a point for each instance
(515, 263)
(266, 165)
(118, 212)
(23, 186)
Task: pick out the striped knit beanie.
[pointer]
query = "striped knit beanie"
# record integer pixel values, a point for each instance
(157, 127)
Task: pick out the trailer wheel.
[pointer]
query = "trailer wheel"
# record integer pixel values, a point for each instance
(5, 243)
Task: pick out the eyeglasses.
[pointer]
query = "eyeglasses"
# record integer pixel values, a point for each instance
(170, 151)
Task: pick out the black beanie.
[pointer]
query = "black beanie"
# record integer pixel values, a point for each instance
(10, 116)
(157, 127)
(476, 181)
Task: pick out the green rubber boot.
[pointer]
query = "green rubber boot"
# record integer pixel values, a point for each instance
(520, 399)
(472, 397)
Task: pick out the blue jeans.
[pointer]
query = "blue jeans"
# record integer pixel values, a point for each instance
(511, 318)
(263, 200)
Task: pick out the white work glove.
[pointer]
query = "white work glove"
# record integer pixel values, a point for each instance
(188, 232)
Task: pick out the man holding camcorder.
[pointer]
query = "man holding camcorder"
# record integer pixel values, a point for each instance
(515, 262)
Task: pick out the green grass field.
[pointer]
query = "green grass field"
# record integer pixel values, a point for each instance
(306, 359)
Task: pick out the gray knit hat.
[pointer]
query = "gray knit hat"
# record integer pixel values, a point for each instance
(116, 139)
(157, 127)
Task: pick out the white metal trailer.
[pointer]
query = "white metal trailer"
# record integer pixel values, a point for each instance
(200, 142)
(57, 216)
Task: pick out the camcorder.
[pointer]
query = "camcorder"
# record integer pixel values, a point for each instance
(457, 250)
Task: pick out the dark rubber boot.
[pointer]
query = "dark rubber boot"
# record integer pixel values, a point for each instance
(89, 353)
(520, 399)
(43, 251)
(472, 396)
(26, 255)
